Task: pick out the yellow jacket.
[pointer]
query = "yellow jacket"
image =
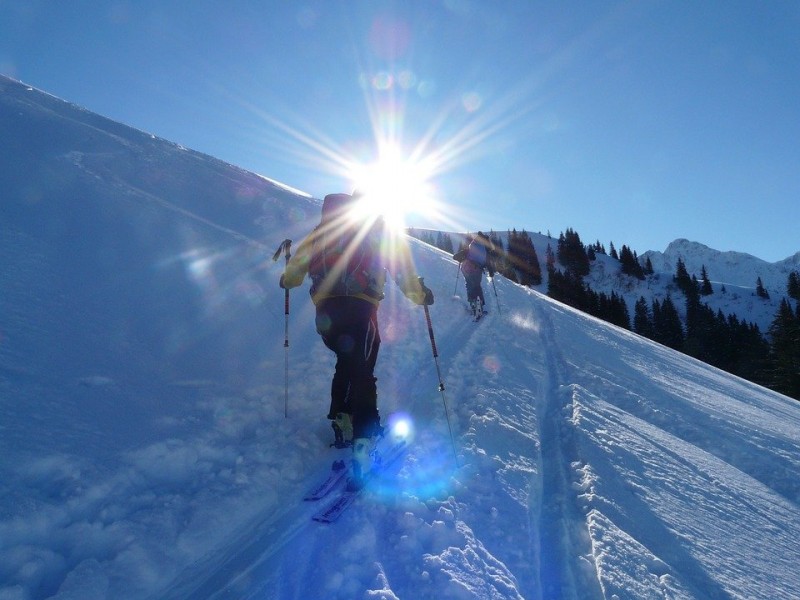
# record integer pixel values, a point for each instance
(394, 257)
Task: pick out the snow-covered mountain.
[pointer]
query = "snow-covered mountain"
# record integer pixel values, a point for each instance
(144, 451)
(730, 268)
(733, 276)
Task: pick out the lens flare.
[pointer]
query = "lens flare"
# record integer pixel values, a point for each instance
(401, 427)
(491, 364)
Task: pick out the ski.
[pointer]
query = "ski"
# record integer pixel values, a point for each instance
(337, 473)
(334, 510)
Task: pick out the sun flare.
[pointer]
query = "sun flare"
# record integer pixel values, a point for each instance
(394, 186)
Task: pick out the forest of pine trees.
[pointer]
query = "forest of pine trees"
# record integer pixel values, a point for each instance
(784, 364)
(724, 341)
(440, 240)
(521, 259)
(572, 254)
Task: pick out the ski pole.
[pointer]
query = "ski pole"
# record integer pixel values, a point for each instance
(286, 247)
(455, 288)
(494, 287)
(441, 383)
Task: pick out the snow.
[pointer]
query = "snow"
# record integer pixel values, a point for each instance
(145, 452)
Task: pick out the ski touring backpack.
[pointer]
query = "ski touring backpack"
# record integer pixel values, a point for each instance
(345, 259)
(476, 252)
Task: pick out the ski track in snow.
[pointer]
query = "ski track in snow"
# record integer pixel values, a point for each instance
(564, 572)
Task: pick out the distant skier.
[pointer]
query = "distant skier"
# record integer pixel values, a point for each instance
(346, 257)
(476, 257)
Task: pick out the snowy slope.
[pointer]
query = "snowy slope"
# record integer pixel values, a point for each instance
(144, 449)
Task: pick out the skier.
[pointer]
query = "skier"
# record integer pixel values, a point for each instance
(346, 257)
(474, 258)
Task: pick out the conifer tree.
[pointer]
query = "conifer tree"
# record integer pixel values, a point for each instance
(793, 285)
(683, 280)
(499, 257)
(642, 319)
(753, 354)
(572, 253)
(448, 243)
(667, 324)
(630, 263)
(550, 258)
(525, 260)
(785, 350)
(619, 314)
(761, 291)
(705, 287)
(507, 269)
(530, 272)
(533, 267)
(702, 336)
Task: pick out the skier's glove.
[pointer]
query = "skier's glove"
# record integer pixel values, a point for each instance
(428, 294)
(281, 282)
(415, 290)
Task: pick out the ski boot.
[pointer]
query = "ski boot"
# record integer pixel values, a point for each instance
(342, 431)
(476, 309)
(363, 460)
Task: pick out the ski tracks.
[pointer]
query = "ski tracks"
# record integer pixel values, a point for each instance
(536, 450)
(562, 522)
(497, 432)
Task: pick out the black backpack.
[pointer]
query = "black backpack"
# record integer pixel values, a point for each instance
(345, 259)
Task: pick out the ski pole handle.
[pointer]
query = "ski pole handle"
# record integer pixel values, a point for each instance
(286, 246)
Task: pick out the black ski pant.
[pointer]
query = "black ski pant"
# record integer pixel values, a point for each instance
(349, 327)
(474, 288)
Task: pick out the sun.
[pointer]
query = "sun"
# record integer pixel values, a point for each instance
(394, 186)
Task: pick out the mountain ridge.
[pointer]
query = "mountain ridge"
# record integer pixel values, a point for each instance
(696, 255)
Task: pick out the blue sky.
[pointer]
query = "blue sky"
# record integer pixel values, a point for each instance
(631, 122)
